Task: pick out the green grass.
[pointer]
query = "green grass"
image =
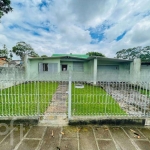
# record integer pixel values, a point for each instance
(145, 92)
(22, 99)
(92, 100)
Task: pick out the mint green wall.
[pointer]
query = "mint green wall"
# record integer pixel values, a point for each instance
(69, 65)
(89, 66)
(34, 64)
(124, 69)
(100, 62)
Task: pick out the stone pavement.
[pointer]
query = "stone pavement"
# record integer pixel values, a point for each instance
(89, 137)
(56, 112)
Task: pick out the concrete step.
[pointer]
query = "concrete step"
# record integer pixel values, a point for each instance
(53, 120)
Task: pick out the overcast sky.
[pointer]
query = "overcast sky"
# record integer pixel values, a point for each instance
(77, 26)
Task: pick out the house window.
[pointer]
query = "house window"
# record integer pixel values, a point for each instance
(48, 67)
(45, 66)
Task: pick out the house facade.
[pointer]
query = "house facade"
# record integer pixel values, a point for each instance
(81, 67)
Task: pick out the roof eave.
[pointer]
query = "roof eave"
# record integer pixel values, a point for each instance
(106, 58)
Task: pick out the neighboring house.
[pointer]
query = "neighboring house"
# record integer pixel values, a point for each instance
(15, 63)
(10, 70)
(3, 62)
(81, 67)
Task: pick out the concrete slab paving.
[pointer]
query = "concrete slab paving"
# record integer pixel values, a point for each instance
(70, 132)
(4, 131)
(106, 145)
(85, 137)
(121, 139)
(102, 132)
(145, 131)
(133, 133)
(36, 132)
(69, 144)
(51, 142)
(29, 144)
(144, 145)
(13, 138)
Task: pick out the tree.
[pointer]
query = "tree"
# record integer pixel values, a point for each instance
(4, 51)
(44, 56)
(22, 48)
(135, 52)
(5, 7)
(95, 54)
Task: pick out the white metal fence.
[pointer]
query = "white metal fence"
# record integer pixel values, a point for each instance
(110, 99)
(75, 98)
(27, 98)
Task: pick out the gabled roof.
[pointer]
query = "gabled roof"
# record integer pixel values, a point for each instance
(79, 57)
(60, 57)
(71, 55)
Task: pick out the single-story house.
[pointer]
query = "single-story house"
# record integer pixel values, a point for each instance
(81, 67)
(3, 62)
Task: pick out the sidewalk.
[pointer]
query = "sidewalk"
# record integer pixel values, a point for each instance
(90, 137)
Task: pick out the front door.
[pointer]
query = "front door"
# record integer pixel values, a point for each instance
(64, 67)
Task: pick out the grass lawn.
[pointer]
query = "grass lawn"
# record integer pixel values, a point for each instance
(22, 99)
(92, 100)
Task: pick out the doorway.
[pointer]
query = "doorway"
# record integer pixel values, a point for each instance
(64, 67)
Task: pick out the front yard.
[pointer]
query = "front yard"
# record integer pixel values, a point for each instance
(33, 98)
(92, 100)
(29, 98)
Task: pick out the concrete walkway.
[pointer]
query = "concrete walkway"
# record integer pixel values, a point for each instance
(75, 138)
(56, 112)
